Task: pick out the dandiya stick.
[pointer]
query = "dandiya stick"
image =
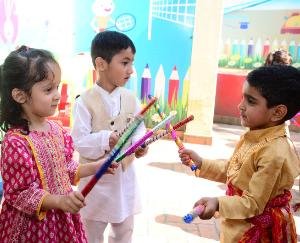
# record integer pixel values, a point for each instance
(166, 132)
(173, 133)
(141, 113)
(130, 129)
(197, 211)
(112, 155)
(134, 146)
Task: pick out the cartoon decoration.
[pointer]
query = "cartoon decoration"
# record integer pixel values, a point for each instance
(292, 24)
(102, 10)
(102, 20)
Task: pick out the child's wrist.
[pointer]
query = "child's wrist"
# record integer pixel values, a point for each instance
(198, 163)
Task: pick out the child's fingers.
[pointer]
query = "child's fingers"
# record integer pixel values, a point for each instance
(78, 195)
(110, 171)
(114, 165)
(202, 201)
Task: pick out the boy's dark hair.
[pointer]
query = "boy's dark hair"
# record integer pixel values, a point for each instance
(21, 69)
(106, 44)
(278, 84)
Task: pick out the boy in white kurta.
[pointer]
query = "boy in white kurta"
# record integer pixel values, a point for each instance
(98, 114)
(264, 165)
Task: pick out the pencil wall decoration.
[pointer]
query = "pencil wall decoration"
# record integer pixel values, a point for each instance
(298, 52)
(173, 87)
(146, 83)
(249, 54)
(185, 89)
(292, 49)
(266, 48)
(159, 86)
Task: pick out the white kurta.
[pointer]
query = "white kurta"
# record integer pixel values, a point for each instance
(114, 197)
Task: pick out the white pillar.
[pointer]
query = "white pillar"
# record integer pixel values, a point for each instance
(204, 68)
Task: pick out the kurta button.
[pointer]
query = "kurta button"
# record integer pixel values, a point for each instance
(112, 123)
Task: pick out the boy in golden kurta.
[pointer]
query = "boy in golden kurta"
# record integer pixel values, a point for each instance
(264, 165)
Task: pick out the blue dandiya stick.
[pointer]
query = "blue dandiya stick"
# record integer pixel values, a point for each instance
(112, 155)
(134, 146)
(173, 133)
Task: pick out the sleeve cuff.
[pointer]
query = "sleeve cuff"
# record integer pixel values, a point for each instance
(76, 176)
(41, 214)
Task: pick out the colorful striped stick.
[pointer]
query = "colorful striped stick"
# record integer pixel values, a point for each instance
(141, 113)
(112, 155)
(134, 146)
(166, 132)
(173, 133)
(197, 211)
(130, 129)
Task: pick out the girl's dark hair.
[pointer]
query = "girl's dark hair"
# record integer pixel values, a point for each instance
(279, 85)
(279, 57)
(106, 44)
(21, 69)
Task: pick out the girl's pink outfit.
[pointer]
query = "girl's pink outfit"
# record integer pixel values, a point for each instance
(32, 166)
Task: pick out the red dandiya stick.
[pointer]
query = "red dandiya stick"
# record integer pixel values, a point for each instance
(173, 133)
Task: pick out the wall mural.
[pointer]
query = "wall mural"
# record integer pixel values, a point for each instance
(248, 38)
(162, 32)
(250, 32)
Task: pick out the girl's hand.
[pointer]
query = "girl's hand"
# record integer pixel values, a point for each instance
(211, 205)
(140, 152)
(110, 170)
(72, 202)
(187, 154)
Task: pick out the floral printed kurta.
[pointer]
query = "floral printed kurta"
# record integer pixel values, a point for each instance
(32, 166)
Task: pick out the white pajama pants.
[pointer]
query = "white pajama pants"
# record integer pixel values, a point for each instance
(119, 232)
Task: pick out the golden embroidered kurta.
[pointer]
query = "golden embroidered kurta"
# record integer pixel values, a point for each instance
(263, 165)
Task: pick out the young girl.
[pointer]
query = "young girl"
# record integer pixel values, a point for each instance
(36, 155)
(264, 165)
